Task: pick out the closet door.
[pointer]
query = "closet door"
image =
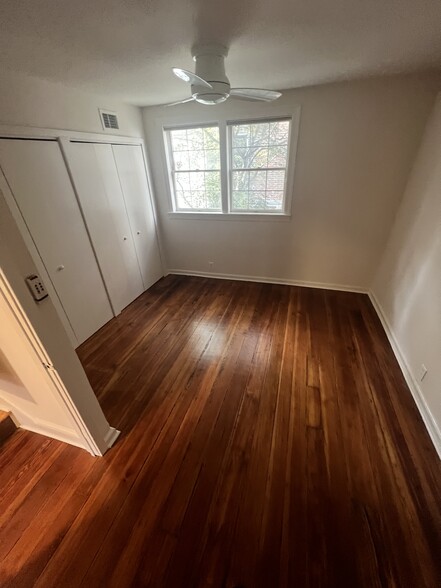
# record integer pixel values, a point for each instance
(131, 171)
(97, 183)
(39, 181)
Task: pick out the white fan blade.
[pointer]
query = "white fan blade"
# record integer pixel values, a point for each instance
(180, 102)
(254, 94)
(190, 77)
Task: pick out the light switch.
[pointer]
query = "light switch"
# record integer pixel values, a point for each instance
(36, 287)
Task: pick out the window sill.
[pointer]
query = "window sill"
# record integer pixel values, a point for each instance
(239, 216)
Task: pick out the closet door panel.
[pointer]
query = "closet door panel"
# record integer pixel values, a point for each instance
(97, 183)
(39, 181)
(131, 171)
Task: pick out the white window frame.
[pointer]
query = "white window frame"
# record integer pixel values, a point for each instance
(226, 170)
(231, 169)
(172, 171)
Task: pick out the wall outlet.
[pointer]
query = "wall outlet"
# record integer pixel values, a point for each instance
(211, 264)
(423, 372)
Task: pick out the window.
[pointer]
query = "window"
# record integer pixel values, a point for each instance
(195, 168)
(230, 168)
(259, 158)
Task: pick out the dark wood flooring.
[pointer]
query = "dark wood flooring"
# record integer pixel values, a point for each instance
(268, 439)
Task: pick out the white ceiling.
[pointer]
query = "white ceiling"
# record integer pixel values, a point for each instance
(126, 48)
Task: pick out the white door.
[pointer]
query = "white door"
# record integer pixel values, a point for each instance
(98, 188)
(38, 178)
(131, 170)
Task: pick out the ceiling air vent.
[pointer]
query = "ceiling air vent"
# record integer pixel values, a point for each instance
(109, 120)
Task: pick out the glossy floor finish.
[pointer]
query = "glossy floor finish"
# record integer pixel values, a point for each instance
(268, 439)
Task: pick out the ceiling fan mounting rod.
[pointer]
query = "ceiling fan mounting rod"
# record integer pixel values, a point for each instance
(210, 63)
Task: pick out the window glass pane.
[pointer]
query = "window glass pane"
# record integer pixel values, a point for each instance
(212, 159)
(275, 179)
(198, 190)
(258, 180)
(240, 200)
(195, 139)
(181, 160)
(195, 165)
(273, 200)
(259, 157)
(196, 159)
(277, 156)
(279, 132)
(250, 157)
(179, 140)
(257, 200)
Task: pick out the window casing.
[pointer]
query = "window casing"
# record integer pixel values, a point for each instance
(240, 168)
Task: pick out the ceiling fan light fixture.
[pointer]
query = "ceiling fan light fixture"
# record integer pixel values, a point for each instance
(210, 99)
(219, 92)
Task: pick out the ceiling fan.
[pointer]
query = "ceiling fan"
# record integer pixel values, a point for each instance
(210, 85)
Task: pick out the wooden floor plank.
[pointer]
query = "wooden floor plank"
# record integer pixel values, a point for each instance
(268, 440)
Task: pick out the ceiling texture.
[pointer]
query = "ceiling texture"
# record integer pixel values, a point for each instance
(125, 48)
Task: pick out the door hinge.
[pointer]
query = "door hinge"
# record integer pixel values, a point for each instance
(48, 366)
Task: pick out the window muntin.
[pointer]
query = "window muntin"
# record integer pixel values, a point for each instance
(194, 156)
(259, 152)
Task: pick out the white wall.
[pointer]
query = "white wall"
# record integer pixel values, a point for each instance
(29, 101)
(356, 144)
(407, 286)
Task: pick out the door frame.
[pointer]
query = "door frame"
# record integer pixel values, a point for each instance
(48, 371)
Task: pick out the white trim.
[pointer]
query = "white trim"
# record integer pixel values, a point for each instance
(224, 157)
(294, 121)
(111, 436)
(424, 410)
(25, 132)
(231, 216)
(269, 280)
(56, 432)
(81, 430)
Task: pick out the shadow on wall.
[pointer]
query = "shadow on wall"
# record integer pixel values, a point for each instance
(413, 273)
(10, 382)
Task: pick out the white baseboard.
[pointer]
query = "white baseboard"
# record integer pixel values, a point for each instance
(55, 432)
(426, 415)
(42, 427)
(267, 280)
(111, 436)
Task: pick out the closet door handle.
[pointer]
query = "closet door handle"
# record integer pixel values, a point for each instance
(124, 238)
(138, 232)
(60, 268)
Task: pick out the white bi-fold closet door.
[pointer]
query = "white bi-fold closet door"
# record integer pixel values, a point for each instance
(113, 191)
(132, 174)
(98, 187)
(89, 214)
(39, 181)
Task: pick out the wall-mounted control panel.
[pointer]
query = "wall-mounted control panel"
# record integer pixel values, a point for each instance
(36, 287)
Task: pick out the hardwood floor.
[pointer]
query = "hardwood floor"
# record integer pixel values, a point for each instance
(268, 439)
